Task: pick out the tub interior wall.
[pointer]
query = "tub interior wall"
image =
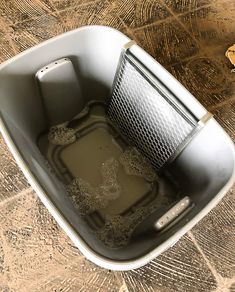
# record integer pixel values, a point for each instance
(94, 55)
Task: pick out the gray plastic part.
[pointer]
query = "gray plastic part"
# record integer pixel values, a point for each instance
(204, 170)
(60, 91)
(172, 214)
(147, 115)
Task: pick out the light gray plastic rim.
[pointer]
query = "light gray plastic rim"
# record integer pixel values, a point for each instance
(78, 241)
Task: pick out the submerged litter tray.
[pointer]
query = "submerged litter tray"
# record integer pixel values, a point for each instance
(121, 154)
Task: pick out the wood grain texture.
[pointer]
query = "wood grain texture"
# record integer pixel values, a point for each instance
(139, 13)
(39, 29)
(189, 37)
(181, 268)
(215, 235)
(18, 11)
(68, 4)
(212, 26)
(207, 79)
(184, 6)
(97, 13)
(167, 42)
(225, 114)
(36, 255)
(6, 49)
(12, 180)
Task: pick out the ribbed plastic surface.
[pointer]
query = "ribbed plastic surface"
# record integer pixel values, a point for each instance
(145, 116)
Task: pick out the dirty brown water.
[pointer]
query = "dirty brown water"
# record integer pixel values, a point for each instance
(112, 186)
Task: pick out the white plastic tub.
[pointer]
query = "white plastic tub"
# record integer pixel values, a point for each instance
(204, 171)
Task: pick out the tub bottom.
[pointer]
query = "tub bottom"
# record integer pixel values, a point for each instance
(112, 186)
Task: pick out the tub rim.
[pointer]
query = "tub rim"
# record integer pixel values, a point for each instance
(89, 253)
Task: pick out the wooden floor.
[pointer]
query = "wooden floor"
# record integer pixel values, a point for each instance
(189, 38)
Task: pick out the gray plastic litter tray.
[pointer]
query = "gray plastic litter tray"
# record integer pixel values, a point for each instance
(101, 190)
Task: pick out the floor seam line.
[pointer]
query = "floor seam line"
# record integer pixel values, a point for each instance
(25, 191)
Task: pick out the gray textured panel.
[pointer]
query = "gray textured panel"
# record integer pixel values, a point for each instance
(146, 116)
